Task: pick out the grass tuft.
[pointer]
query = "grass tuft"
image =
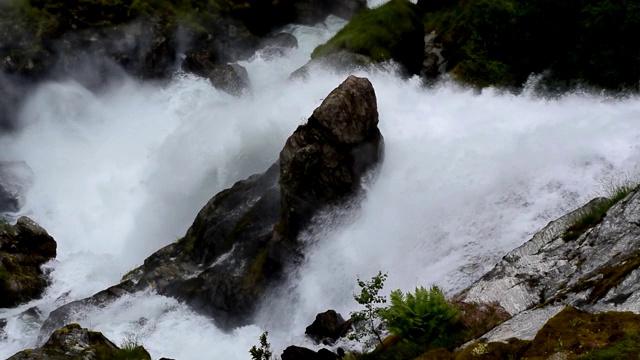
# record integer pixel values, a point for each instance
(594, 215)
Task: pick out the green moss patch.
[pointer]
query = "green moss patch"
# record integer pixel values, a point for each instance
(605, 279)
(388, 32)
(577, 333)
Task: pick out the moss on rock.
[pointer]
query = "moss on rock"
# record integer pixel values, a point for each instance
(390, 32)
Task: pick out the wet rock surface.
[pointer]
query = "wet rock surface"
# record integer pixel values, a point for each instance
(24, 248)
(328, 324)
(75, 342)
(595, 270)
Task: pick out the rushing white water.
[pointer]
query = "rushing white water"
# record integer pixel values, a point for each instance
(466, 177)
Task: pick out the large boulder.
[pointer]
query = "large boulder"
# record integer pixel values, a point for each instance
(75, 342)
(324, 160)
(24, 248)
(328, 324)
(244, 236)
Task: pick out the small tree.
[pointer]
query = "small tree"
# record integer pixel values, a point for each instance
(365, 320)
(264, 351)
(425, 315)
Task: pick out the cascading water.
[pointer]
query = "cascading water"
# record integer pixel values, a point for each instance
(466, 177)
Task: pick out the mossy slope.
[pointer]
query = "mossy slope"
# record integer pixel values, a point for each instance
(391, 32)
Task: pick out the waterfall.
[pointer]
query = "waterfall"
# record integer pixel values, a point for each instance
(467, 176)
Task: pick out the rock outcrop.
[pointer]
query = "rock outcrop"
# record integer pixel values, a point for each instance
(328, 324)
(24, 248)
(245, 236)
(75, 342)
(595, 269)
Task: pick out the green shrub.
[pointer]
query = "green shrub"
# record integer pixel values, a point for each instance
(264, 351)
(365, 320)
(425, 315)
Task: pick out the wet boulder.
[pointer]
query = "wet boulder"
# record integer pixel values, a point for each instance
(75, 342)
(24, 248)
(328, 324)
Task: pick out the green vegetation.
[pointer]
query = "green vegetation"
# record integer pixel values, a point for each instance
(129, 349)
(425, 315)
(502, 42)
(365, 321)
(419, 322)
(594, 214)
(264, 351)
(391, 32)
(627, 348)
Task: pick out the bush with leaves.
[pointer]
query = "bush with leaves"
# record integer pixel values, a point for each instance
(425, 315)
(365, 320)
(264, 351)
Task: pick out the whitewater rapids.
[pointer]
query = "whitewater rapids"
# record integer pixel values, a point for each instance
(467, 176)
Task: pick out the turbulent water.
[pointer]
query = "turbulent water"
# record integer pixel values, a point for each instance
(467, 176)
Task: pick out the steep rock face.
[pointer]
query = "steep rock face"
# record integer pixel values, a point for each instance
(24, 247)
(75, 342)
(595, 271)
(243, 237)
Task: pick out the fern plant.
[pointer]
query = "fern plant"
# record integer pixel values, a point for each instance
(425, 315)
